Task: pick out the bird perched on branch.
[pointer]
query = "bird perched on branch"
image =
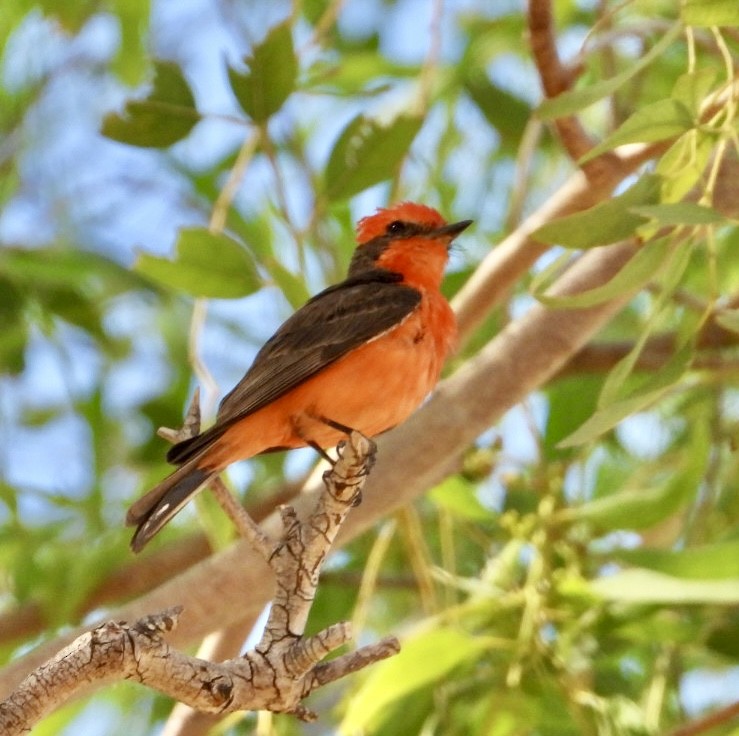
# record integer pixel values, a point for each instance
(361, 355)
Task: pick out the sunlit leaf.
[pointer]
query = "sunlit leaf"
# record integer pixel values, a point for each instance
(59, 721)
(459, 497)
(680, 213)
(613, 387)
(165, 116)
(607, 222)
(366, 153)
(271, 76)
(728, 319)
(648, 587)
(656, 122)
(205, 265)
(71, 16)
(683, 165)
(423, 660)
(708, 562)
(293, 286)
(692, 88)
(132, 59)
(640, 269)
(710, 13)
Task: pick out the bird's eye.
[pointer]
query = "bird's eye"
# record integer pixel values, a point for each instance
(396, 227)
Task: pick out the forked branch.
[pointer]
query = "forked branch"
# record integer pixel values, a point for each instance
(276, 675)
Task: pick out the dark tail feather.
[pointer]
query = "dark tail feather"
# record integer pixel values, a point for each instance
(187, 449)
(152, 511)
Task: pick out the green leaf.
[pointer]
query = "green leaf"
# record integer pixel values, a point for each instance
(648, 587)
(272, 75)
(709, 561)
(642, 508)
(575, 100)
(68, 303)
(131, 59)
(570, 402)
(607, 222)
(59, 721)
(458, 496)
(683, 165)
(292, 286)
(13, 345)
(671, 272)
(637, 272)
(166, 116)
(710, 13)
(11, 299)
(205, 265)
(71, 16)
(362, 70)
(611, 414)
(692, 88)
(656, 122)
(368, 152)
(505, 112)
(424, 660)
(679, 213)
(67, 267)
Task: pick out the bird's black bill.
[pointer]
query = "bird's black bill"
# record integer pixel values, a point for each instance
(452, 229)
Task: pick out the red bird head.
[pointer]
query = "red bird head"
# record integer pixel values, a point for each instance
(409, 239)
(376, 225)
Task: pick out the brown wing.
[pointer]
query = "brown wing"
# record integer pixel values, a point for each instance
(327, 327)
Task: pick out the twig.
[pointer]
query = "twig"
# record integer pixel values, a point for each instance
(245, 525)
(701, 725)
(555, 79)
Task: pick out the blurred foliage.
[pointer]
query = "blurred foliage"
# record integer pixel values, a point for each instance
(581, 571)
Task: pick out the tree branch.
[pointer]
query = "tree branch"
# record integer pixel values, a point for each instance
(718, 717)
(283, 669)
(555, 79)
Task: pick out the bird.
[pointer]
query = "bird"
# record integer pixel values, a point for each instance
(361, 355)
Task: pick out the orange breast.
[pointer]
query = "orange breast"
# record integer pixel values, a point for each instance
(372, 389)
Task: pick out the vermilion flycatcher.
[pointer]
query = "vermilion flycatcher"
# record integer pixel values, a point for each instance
(362, 354)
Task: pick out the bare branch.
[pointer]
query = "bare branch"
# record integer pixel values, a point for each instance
(555, 79)
(110, 652)
(709, 722)
(223, 644)
(281, 670)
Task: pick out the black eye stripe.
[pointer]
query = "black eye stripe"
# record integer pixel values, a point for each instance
(403, 229)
